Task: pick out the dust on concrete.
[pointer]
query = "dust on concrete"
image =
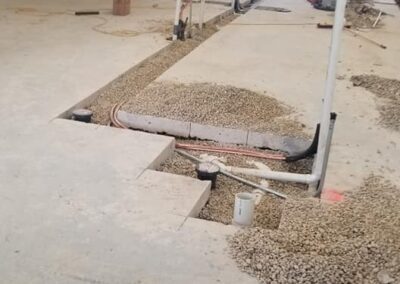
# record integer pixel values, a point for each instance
(140, 76)
(220, 206)
(388, 93)
(361, 14)
(217, 105)
(355, 241)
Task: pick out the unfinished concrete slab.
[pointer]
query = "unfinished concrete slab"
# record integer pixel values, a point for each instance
(73, 46)
(63, 218)
(172, 194)
(285, 55)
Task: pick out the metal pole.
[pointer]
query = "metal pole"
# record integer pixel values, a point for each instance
(330, 87)
(176, 21)
(201, 18)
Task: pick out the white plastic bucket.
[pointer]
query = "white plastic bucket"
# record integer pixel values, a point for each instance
(244, 209)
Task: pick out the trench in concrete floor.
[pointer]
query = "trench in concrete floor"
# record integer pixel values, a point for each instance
(219, 207)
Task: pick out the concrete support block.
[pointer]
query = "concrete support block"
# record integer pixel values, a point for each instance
(220, 134)
(207, 132)
(155, 124)
(275, 142)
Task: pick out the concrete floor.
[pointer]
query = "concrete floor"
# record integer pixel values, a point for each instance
(289, 63)
(74, 207)
(74, 202)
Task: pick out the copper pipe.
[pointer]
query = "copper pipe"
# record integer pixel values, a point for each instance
(243, 152)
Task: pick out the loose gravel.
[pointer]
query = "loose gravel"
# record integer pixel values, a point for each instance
(218, 105)
(355, 241)
(221, 202)
(388, 92)
(140, 76)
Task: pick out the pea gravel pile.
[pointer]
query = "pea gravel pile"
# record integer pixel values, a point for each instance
(355, 241)
(388, 92)
(218, 105)
(220, 205)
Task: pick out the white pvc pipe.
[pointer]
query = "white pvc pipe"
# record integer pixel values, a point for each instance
(244, 209)
(280, 176)
(330, 85)
(201, 17)
(176, 21)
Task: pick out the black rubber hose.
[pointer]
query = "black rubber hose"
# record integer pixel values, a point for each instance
(309, 151)
(313, 147)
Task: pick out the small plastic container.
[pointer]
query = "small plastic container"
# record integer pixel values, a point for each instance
(244, 209)
(208, 171)
(83, 115)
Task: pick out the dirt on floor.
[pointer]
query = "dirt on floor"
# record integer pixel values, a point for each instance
(361, 14)
(140, 76)
(388, 93)
(355, 241)
(218, 105)
(219, 208)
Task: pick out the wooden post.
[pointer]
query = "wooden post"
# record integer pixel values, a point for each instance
(121, 7)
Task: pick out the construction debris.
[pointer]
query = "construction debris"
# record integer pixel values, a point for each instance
(355, 241)
(361, 14)
(388, 92)
(217, 105)
(367, 39)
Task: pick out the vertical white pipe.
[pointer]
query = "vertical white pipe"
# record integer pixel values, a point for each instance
(190, 19)
(176, 21)
(330, 85)
(201, 19)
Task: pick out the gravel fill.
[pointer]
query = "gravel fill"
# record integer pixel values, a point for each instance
(140, 76)
(355, 241)
(388, 92)
(221, 202)
(218, 105)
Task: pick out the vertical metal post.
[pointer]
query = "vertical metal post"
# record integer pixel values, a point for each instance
(201, 17)
(329, 87)
(176, 21)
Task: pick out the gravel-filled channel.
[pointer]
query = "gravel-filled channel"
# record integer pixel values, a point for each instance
(219, 208)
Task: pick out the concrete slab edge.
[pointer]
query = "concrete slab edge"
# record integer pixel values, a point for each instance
(185, 129)
(164, 155)
(91, 98)
(201, 202)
